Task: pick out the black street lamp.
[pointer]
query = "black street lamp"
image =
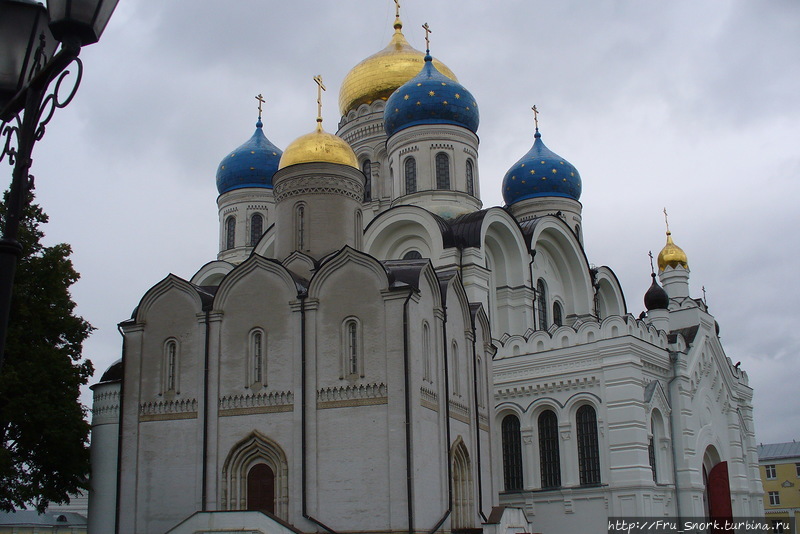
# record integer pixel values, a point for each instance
(29, 64)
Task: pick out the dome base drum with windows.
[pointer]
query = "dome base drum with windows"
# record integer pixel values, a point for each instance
(372, 350)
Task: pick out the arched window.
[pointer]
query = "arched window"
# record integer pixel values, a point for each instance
(549, 457)
(541, 304)
(171, 367)
(426, 352)
(230, 232)
(366, 168)
(261, 489)
(455, 380)
(301, 240)
(442, 171)
(352, 351)
(256, 228)
(512, 453)
(558, 315)
(588, 449)
(257, 358)
(412, 255)
(470, 178)
(410, 172)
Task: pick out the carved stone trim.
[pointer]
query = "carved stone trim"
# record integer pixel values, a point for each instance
(174, 409)
(318, 185)
(258, 401)
(429, 399)
(355, 395)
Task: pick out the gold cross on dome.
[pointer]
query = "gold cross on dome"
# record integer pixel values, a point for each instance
(428, 33)
(650, 253)
(397, 8)
(666, 219)
(261, 100)
(535, 116)
(320, 88)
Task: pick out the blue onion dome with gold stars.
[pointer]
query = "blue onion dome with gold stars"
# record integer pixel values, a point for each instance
(541, 173)
(430, 98)
(250, 165)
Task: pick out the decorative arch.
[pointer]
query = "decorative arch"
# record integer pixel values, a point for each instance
(168, 284)
(244, 456)
(251, 265)
(212, 273)
(609, 297)
(397, 230)
(463, 501)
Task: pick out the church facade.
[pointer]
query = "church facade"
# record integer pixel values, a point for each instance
(374, 351)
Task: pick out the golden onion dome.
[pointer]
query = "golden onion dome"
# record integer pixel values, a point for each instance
(318, 147)
(672, 255)
(377, 77)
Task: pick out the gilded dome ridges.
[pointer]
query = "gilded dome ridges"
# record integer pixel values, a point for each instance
(379, 75)
(430, 98)
(318, 146)
(541, 173)
(672, 255)
(250, 165)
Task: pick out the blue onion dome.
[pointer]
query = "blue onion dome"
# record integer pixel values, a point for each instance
(430, 98)
(250, 165)
(656, 298)
(541, 173)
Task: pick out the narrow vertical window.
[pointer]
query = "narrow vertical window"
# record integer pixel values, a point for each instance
(651, 452)
(352, 361)
(455, 379)
(442, 171)
(257, 353)
(558, 315)
(588, 449)
(230, 232)
(426, 352)
(410, 172)
(256, 228)
(170, 367)
(359, 229)
(352, 347)
(470, 178)
(512, 453)
(366, 168)
(541, 304)
(300, 226)
(549, 457)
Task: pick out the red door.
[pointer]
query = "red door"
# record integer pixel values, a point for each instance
(261, 489)
(719, 495)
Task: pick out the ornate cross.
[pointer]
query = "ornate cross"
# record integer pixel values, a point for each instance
(261, 100)
(704, 296)
(666, 219)
(320, 88)
(650, 253)
(536, 116)
(428, 33)
(397, 8)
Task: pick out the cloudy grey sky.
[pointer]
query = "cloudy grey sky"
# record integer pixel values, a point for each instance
(688, 105)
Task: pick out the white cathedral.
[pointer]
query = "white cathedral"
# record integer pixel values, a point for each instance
(374, 351)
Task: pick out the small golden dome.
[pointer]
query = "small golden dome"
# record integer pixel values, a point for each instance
(318, 146)
(672, 255)
(377, 77)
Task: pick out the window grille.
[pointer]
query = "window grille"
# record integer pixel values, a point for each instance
(512, 453)
(588, 449)
(549, 457)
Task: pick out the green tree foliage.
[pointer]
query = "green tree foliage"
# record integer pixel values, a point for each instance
(45, 454)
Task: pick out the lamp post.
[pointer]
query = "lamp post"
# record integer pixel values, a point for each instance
(29, 66)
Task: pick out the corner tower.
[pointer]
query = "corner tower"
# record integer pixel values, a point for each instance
(362, 99)
(246, 202)
(544, 183)
(431, 122)
(318, 194)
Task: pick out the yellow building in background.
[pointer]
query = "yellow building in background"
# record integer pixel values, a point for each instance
(779, 465)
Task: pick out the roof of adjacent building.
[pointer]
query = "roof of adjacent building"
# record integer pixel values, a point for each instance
(32, 517)
(775, 451)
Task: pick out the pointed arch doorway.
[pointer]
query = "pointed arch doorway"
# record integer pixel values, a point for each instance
(718, 491)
